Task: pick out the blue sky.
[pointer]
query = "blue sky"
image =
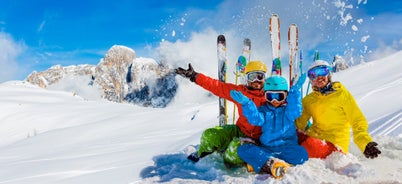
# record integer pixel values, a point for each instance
(35, 35)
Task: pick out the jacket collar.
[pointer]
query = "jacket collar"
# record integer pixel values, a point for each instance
(329, 89)
(253, 91)
(325, 90)
(270, 107)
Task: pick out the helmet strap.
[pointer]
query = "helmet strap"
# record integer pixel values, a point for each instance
(249, 87)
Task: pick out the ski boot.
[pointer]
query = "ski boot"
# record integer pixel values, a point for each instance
(194, 156)
(276, 167)
(249, 168)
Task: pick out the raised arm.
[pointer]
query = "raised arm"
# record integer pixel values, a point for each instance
(294, 99)
(250, 110)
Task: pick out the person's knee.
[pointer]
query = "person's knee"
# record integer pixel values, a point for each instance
(316, 148)
(210, 133)
(295, 155)
(303, 155)
(243, 150)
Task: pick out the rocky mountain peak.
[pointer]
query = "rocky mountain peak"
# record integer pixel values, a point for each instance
(111, 72)
(118, 77)
(55, 73)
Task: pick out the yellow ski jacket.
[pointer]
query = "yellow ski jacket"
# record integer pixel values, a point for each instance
(333, 115)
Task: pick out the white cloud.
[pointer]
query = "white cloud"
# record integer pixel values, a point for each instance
(200, 50)
(9, 51)
(385, 50)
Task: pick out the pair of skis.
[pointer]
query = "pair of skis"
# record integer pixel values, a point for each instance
(295, 65)
(222, 68)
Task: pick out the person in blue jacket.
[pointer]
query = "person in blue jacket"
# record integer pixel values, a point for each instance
(279, 147)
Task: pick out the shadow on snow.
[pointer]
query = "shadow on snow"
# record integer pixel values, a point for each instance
(171, 166)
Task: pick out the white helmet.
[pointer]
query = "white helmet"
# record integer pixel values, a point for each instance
(322, 63)
(318, 63)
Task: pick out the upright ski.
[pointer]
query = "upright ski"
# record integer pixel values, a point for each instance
(293, 41)
(316, 57)
(301, 68)
(246, 49)
(274, 30)
(242, 61)
(222, 60)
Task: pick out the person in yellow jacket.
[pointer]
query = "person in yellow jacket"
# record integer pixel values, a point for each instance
(334, 112)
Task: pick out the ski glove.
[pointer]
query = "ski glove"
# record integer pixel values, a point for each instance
(299, 83)
(371, 150)
(189, 73)
(239, 97)
(294, 92)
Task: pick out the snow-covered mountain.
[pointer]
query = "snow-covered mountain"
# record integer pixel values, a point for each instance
(49, 136)
(118, 77)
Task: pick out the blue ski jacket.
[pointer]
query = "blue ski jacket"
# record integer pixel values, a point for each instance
(278, 126)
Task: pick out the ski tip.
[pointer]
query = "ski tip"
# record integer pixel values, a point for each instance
(274, 15)
(221, 38)
(316, 55)
(247, 41)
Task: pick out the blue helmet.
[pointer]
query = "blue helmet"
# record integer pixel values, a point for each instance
(276, 83)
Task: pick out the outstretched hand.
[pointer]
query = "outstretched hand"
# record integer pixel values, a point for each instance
(189, 73)
(239, 97)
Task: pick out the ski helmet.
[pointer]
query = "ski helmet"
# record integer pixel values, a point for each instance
(322, 63)
(276, 83)
(255, 66)
(318, 63)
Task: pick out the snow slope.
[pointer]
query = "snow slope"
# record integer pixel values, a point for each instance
(56, 137)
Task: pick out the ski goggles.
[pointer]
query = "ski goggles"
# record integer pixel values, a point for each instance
(255, 76)
(319, 71)
(279, 96)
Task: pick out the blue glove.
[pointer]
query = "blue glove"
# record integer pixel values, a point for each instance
(300, 82)
(294, 92)
(239, 97)
(295, 108)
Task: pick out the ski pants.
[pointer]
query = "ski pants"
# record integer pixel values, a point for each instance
(316, 148)
(257, 156)
(224, 139)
